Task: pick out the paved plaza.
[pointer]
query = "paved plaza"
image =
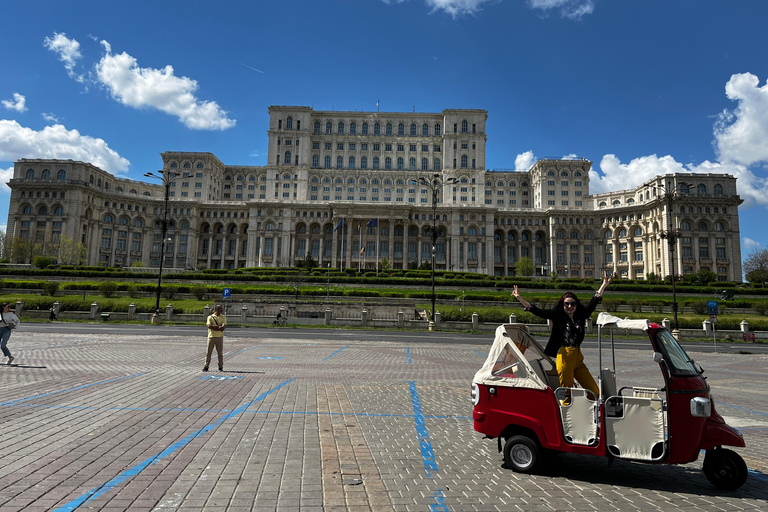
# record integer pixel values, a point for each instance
(129, 422)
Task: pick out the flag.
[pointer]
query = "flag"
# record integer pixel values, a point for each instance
(373, 223)
(362, 250)
(377, 103)
(341, 223)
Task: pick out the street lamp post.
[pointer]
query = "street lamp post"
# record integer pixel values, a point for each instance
(328, 288)
(166, 177)
(434, 186)
(671, 235)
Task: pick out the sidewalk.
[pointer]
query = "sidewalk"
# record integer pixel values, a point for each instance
(105, 422)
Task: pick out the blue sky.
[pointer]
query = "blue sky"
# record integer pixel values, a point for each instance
(638, 87)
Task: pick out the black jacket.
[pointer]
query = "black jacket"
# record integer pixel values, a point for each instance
(560, 320)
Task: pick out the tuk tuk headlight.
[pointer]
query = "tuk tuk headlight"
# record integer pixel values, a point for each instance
(701, 407)
(475, 394)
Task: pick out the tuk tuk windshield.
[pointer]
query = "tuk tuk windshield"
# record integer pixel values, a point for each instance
(680, 365)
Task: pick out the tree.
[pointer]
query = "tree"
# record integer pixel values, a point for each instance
(524, 267)
(756, 267)
(3, 254)
(297, 280)
(24, 251)
(70, 252)
(308, 262)
(384, 264)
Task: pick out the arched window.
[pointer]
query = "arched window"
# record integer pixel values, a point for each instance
(287, 157)
(107, 219)
(437, 130)
(59, 210)
(684, 189)
(560, 234)
(27, 210)
(719, 226)
(375, 162)
(472, 232)
(436, 166)
(412, 231)
(302, 229)
(363, 162)
(622, 233)
(463, 161)
(425, 129)
(317, 128)
(464, 126)
(701, 189)
(328, 127)
(398, 230)
(30, 174)
(339, 162)
(616, 202)
(377, 129)
(316, 228)
(603, 203)
(718, 189)
(61, 175)
(387, 163)
(424, 164)
(327, 162)
(564, 174)
(413, 128)
(400, 162)
(412, 164)
(365, 128)
(289, 123)
(353, 128)
(685, 225)
(608, 234)
(341, 127)
(351, 162)
(702, 226)
(185, 224)
(401, 129)
(43, 210)
(315, 161)
(588, 235)
(137, 223)
(638, 232)
(574, 234)
(389, 129)
(46, 175)
(511, 236)
(123, 221)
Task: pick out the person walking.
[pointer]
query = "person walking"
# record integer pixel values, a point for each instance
(569, 318)
(216, 323)
(8, 322)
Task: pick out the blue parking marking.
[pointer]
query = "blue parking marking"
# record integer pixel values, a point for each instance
(220, 377)
(138, 468)
(408, 352)
(269, 358)
(478, 352)
(330, 356)
(427, 454)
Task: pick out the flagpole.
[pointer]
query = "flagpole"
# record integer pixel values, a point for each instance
(378, 230)
(360, 229)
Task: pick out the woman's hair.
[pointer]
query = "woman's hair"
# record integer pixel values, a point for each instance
(569, 295)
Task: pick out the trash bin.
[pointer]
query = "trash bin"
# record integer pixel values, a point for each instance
(105, 317)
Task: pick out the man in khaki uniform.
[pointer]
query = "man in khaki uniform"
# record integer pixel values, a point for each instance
(216, 325)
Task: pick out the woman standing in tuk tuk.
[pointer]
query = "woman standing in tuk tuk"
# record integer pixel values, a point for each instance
(569, 318)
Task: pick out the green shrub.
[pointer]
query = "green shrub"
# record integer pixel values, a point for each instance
(698, 306)
(612, 305)
(42, 261)
(199, 291)
(50, 287)
(760, 307)
(170, 291)
(107, 288)
(636, 305)
(133, 290)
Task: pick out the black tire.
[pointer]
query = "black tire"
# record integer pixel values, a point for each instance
(725, 469)
(521, 454)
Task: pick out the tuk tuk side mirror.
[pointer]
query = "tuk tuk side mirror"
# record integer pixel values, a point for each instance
(657, 357)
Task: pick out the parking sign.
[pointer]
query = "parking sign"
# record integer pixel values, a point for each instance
(226, 293)
(712, 307)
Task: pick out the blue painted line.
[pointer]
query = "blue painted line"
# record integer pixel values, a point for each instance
(439, 505)
(246, 349)
(269, 358)
(408, 352)
(741, 408)
(71, 389)
(478, 352)
(330, 356)
(427, 454)
(219, 377)
(756, 474)
(138, 468)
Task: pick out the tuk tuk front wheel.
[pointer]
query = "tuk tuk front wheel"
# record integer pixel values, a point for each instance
(521, 454)
(725, 469)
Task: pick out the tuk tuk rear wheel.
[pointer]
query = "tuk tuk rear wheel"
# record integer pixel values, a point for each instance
(521, 454)
(725, 469)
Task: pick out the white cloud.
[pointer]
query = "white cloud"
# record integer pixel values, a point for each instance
(5, 177)
(749, 245)
(18, 104)
(573, 9)
(741, 134)
(68, 51)
(524, 161)
(139, 87)
(617, 176)
(455, 8)
(51, 118)
(56, 141)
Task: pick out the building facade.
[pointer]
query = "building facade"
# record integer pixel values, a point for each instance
(330, 173)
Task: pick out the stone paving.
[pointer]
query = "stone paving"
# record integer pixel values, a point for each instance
(106, 422)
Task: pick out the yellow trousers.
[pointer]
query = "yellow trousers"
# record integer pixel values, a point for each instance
(570, 365)
(217, 343)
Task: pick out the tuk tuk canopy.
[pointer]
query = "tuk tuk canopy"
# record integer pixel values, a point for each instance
(513, 360)
(608, 321)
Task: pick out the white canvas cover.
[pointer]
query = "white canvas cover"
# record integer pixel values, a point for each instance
(506, 365)
(607, 320)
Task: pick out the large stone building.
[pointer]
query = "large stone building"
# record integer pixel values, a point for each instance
(325, 166)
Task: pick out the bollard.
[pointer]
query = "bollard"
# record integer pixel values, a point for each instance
(400, 319)
(474, 321)
(327, 316)
(364, 318)
(707, 326)
(243, 313)
(19, 309)
(588, 329)
(207, 312)
(512, 318)
(744, 326)
(438, 319)
(132, 311)
(666, 323)
(94, 310)
(169, 312)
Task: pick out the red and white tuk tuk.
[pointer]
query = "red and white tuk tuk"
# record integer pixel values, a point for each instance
(517, 399)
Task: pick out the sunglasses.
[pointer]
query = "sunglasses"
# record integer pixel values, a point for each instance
(569, 304)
